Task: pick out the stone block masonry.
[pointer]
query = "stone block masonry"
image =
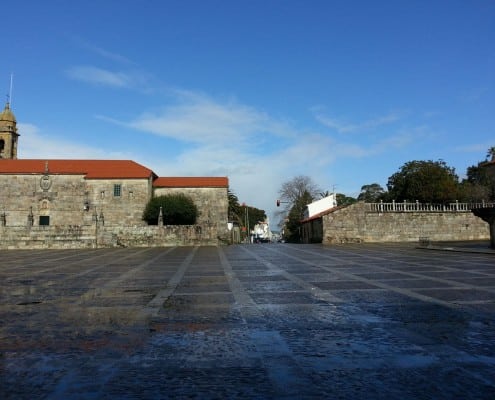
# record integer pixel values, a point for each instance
(212, 203)
(356, 224)
(93, 236)
(63, 213)
(64, 203)
(275, 321)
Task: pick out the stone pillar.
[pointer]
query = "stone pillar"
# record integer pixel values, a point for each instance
(160, 217)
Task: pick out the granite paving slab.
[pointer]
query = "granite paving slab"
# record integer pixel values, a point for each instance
(264, 321)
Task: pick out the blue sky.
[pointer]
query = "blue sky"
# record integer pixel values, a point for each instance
(345, 92)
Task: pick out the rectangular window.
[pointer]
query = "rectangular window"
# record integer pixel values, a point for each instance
(117, 190)
(44, 220)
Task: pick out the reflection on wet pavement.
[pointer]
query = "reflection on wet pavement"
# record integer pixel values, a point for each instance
(247, 321)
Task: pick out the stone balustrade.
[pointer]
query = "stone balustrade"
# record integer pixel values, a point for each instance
(424, 207)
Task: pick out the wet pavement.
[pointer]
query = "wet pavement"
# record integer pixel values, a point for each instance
(248, 321)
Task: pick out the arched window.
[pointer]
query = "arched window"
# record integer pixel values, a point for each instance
(2, 146)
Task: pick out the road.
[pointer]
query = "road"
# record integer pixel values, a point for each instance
(280, 321)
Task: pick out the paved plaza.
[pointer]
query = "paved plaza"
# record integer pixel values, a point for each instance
(284, 321)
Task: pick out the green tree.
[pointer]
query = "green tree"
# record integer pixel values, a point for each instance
(343, 200)
(177, 209)
(255, 215)
(371, 193)
(473, 192)
(425, 181)
(235, 210)
(238, 213)
(296, 214)
(479, 183)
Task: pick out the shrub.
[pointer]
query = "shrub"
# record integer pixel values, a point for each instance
(177, 209)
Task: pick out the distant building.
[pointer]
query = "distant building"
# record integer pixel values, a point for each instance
(262, 232)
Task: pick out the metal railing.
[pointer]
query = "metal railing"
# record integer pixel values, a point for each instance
(425, 207)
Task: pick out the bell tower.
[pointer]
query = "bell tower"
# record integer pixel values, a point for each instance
(8, 133)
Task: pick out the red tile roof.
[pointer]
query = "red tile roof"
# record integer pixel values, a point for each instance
(92, 169)
(191, 182)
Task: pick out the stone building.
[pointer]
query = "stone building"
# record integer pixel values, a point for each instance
(76, 193)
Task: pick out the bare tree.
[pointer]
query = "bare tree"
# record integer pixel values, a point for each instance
(300, 189)
(293, 190)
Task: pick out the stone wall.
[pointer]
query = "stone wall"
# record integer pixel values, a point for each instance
(356, 223)
(212, 203)
(72, 199)
(126, 209)
(312, 231)
(96, 236)
(157, 236)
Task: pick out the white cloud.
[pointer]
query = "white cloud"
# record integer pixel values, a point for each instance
(35, 144)
(346, 127)
(399, 139)
(99, 76)
(333, 123)
(200, 119)
(109, 55)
